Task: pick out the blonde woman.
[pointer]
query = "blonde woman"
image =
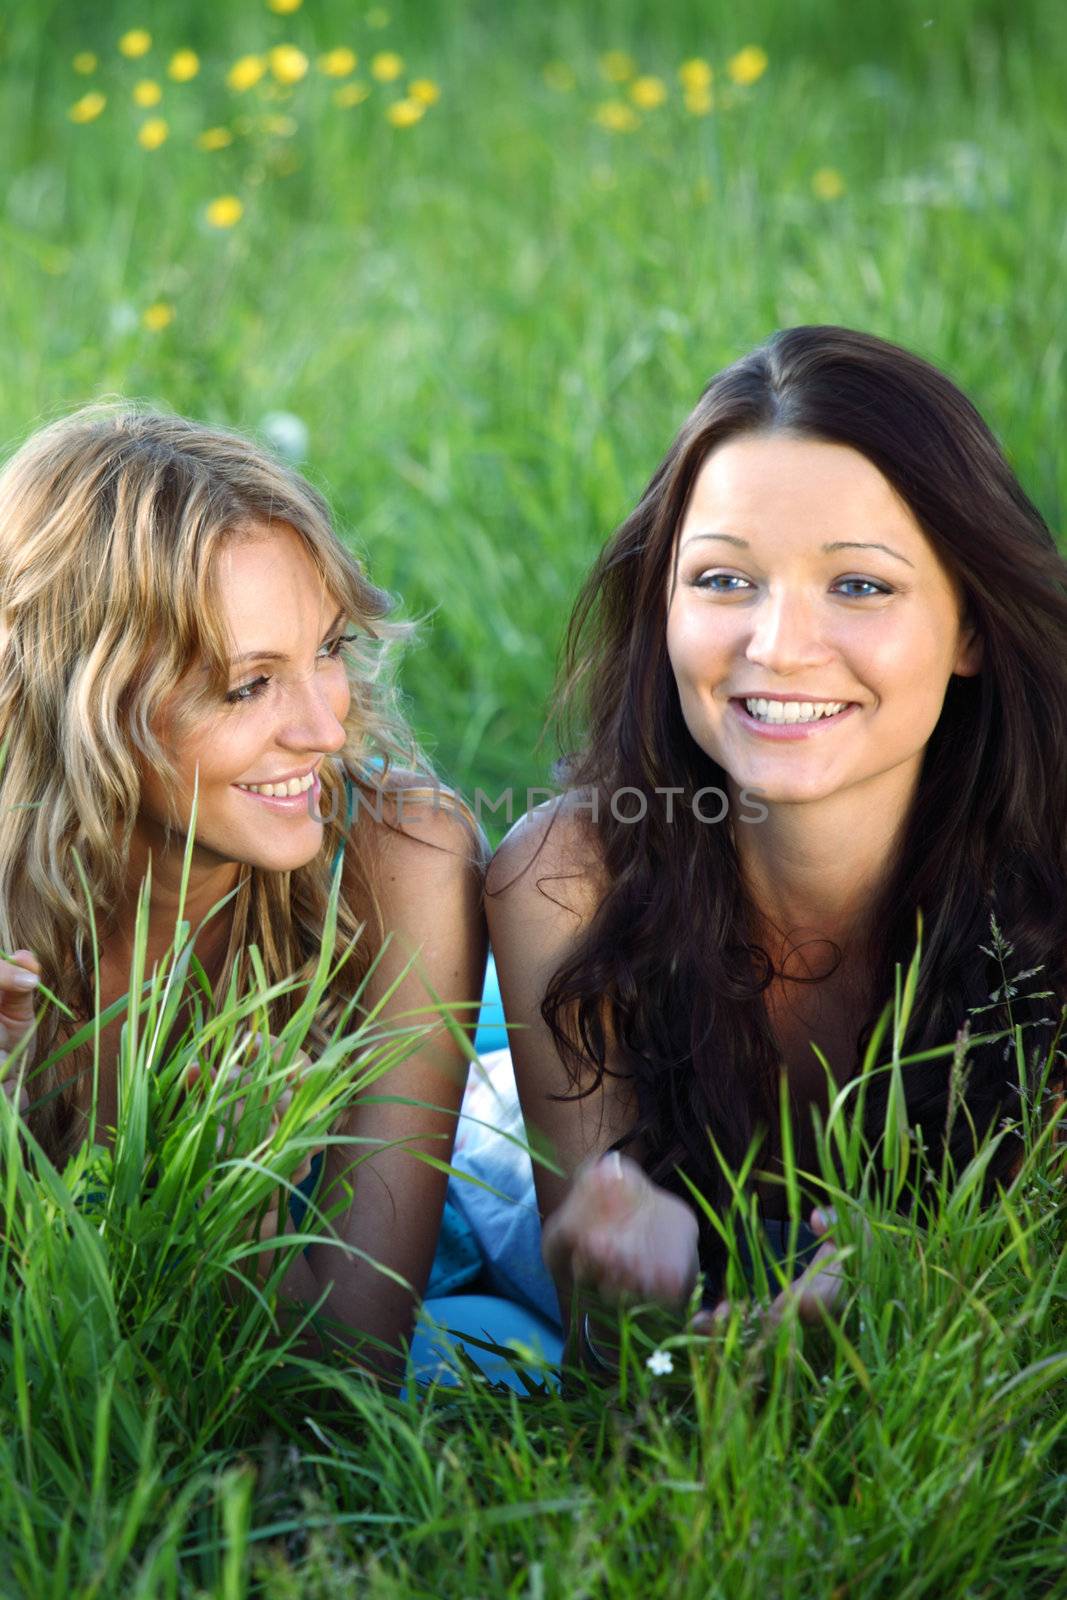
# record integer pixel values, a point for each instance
(174, 606)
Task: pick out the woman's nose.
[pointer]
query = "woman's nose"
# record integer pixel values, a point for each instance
(316, 714)
(785, 633)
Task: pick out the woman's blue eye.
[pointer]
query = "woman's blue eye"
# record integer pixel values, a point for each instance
(879, 588)
(333, 647)
(707, 580)
(252, 691)
(247, 692)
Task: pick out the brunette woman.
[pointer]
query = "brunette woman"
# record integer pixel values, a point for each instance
(823, 668)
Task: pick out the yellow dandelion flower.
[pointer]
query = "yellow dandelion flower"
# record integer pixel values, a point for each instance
(184, 64)
(616, 116)
(84, 62)
(403, 113)
(283, 127)
(648, 93)
(351, 94)
(338, 63)
(828, 183)
(88, 108)
(698, 102)
(287, 63)
(695, 74)
(147, 93)
(559, 76)
(748, 64)
(214, 139)
(225, 211)
(387, 66)
(158, 316)
(137, 42)
(284, 8)
(617, 66)
(153, 133)
(246, 73)
(424, 90)
(377, 17)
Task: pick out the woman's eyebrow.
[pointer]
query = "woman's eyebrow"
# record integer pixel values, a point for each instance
(275, 655)
(837, 544)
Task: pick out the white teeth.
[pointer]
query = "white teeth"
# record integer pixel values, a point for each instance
(793, 710)
(272, 790)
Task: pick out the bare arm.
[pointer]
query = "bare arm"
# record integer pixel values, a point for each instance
(429, 882)
(609, 1233)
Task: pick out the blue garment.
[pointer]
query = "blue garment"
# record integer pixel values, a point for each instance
(491, 1034)
(444, 1322)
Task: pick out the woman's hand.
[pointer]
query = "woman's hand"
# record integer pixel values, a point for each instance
(19, 978)
(621, 1234)
(819, 1291)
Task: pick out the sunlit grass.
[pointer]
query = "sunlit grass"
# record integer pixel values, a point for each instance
(162, 1429)
(483, 317)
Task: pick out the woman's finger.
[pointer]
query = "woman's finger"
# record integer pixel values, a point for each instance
(819, 1288)
(19, 981)
(824, 1218)
(707, 1321)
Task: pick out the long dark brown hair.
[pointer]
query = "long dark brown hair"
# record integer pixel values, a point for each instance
(670, 963)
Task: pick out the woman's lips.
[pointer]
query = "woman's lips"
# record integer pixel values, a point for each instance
(789, 730)
(289, 804)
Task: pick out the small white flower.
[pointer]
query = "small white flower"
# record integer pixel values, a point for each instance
(659, 1363)
(287, 433)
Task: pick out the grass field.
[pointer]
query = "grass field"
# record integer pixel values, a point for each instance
(493, 320)
(489, 287)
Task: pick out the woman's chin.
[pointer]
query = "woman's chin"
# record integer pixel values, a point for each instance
(292, 860)
(283, 856)
(791, 791)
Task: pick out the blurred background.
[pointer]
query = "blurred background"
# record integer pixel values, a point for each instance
(469, 265)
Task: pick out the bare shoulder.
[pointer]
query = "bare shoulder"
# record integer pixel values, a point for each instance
(408, 821)
(417, 875)
(552, 854)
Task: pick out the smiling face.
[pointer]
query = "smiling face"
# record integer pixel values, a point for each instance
(761, 607)
(280, 718)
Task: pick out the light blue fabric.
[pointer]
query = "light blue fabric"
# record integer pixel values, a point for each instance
(491, 1147)
(492, 1034)
(443, 1322)
(484, 1238)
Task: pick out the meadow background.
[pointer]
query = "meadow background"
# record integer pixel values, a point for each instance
(491, 307)
(470, 265)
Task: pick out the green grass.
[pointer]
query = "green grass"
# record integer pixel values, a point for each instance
(492, 323)
(161, 1433)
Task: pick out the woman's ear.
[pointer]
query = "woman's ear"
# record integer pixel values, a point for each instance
(969, 656)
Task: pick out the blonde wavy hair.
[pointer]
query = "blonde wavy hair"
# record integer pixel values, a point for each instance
(111, 520)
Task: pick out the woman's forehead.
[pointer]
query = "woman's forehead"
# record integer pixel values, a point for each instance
(794, 478)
